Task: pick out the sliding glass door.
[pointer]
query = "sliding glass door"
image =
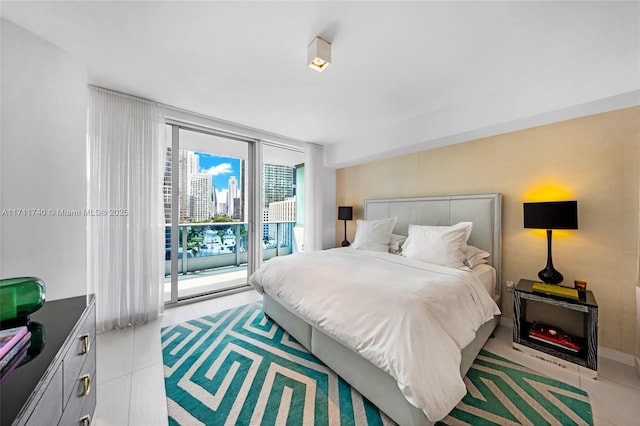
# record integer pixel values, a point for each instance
(207, 217)
(282, 201)
(230, 204)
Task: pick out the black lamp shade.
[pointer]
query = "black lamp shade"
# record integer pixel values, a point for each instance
(551, 215)
(345, 213)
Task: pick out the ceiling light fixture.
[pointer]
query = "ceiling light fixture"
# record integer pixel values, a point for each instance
(319, 54)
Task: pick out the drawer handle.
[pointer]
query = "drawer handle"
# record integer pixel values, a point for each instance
(86, 384)
(86, 420)
(86, 344)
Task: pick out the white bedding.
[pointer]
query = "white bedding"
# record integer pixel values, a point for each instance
(487, 276)
(409, 318)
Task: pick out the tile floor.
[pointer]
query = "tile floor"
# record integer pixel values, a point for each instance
(130, 381)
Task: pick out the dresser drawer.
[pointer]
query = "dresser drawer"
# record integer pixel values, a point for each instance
(77, 356)
(83, 393)
(88, 408)
(82, 415)
(48, 408)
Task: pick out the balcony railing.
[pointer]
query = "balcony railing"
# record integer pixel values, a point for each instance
(207, 246)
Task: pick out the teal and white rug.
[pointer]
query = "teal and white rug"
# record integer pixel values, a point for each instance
(238, 368)
(501, 392)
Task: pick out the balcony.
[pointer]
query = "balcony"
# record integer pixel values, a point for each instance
(213, 256)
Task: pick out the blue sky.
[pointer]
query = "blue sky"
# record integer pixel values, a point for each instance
(220, 168)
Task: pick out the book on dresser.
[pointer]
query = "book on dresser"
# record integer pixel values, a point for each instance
(14, 362)
(11, 337)
(14, 348)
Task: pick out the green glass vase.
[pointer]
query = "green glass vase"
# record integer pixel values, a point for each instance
(20, 297)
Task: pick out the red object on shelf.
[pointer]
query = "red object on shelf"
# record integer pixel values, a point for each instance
(554, 336)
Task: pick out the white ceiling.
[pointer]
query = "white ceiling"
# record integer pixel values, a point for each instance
(405, 75)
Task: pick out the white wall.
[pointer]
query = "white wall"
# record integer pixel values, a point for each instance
(43, 163)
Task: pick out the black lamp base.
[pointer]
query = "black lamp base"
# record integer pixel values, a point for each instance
(345, 243)
(550, 276)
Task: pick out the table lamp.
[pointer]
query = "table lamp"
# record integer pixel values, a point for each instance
(345, 213)
(551, 215)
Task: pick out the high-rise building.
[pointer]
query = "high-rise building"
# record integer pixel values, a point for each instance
(214, 199)
(278, 183)
(166, 186)
(232, 194)
(244, 212)
(200, 197)
(189, 165)
(229, 202)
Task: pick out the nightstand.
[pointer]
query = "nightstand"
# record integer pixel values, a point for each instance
(586, 357)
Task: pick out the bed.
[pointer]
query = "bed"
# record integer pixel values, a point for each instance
(375, 376)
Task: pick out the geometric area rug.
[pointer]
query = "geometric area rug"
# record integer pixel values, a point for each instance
(238, 368)
(501, 392)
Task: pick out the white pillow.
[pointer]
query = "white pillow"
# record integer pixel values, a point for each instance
(442, 245)
(475, 256)
(396, 242)
(374, 235)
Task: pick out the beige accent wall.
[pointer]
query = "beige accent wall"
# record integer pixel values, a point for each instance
(593, 159)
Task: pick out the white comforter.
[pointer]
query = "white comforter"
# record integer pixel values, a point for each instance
(409, 318)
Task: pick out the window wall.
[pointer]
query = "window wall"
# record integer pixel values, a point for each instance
(209, 209)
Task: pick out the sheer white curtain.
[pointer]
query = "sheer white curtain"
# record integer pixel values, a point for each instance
(313, 190)
(126, 152)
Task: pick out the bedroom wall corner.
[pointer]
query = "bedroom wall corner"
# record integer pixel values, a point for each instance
(43, 163)
(637, 357)
(636, 362)
(594, 159)
(329, 208)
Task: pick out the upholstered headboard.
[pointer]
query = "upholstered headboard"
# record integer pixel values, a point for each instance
(484, 210)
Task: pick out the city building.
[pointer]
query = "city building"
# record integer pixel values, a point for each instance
(283, 212)
(278, 183)
(166, 186)
(200, 197)
(232, 195)
(214, 199)
(188, 163)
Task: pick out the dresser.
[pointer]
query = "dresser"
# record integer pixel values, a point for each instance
(57, 386)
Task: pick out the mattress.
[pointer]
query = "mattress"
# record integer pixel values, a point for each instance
(486, 274)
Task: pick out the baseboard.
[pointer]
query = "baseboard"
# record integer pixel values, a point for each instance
(612, 354)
